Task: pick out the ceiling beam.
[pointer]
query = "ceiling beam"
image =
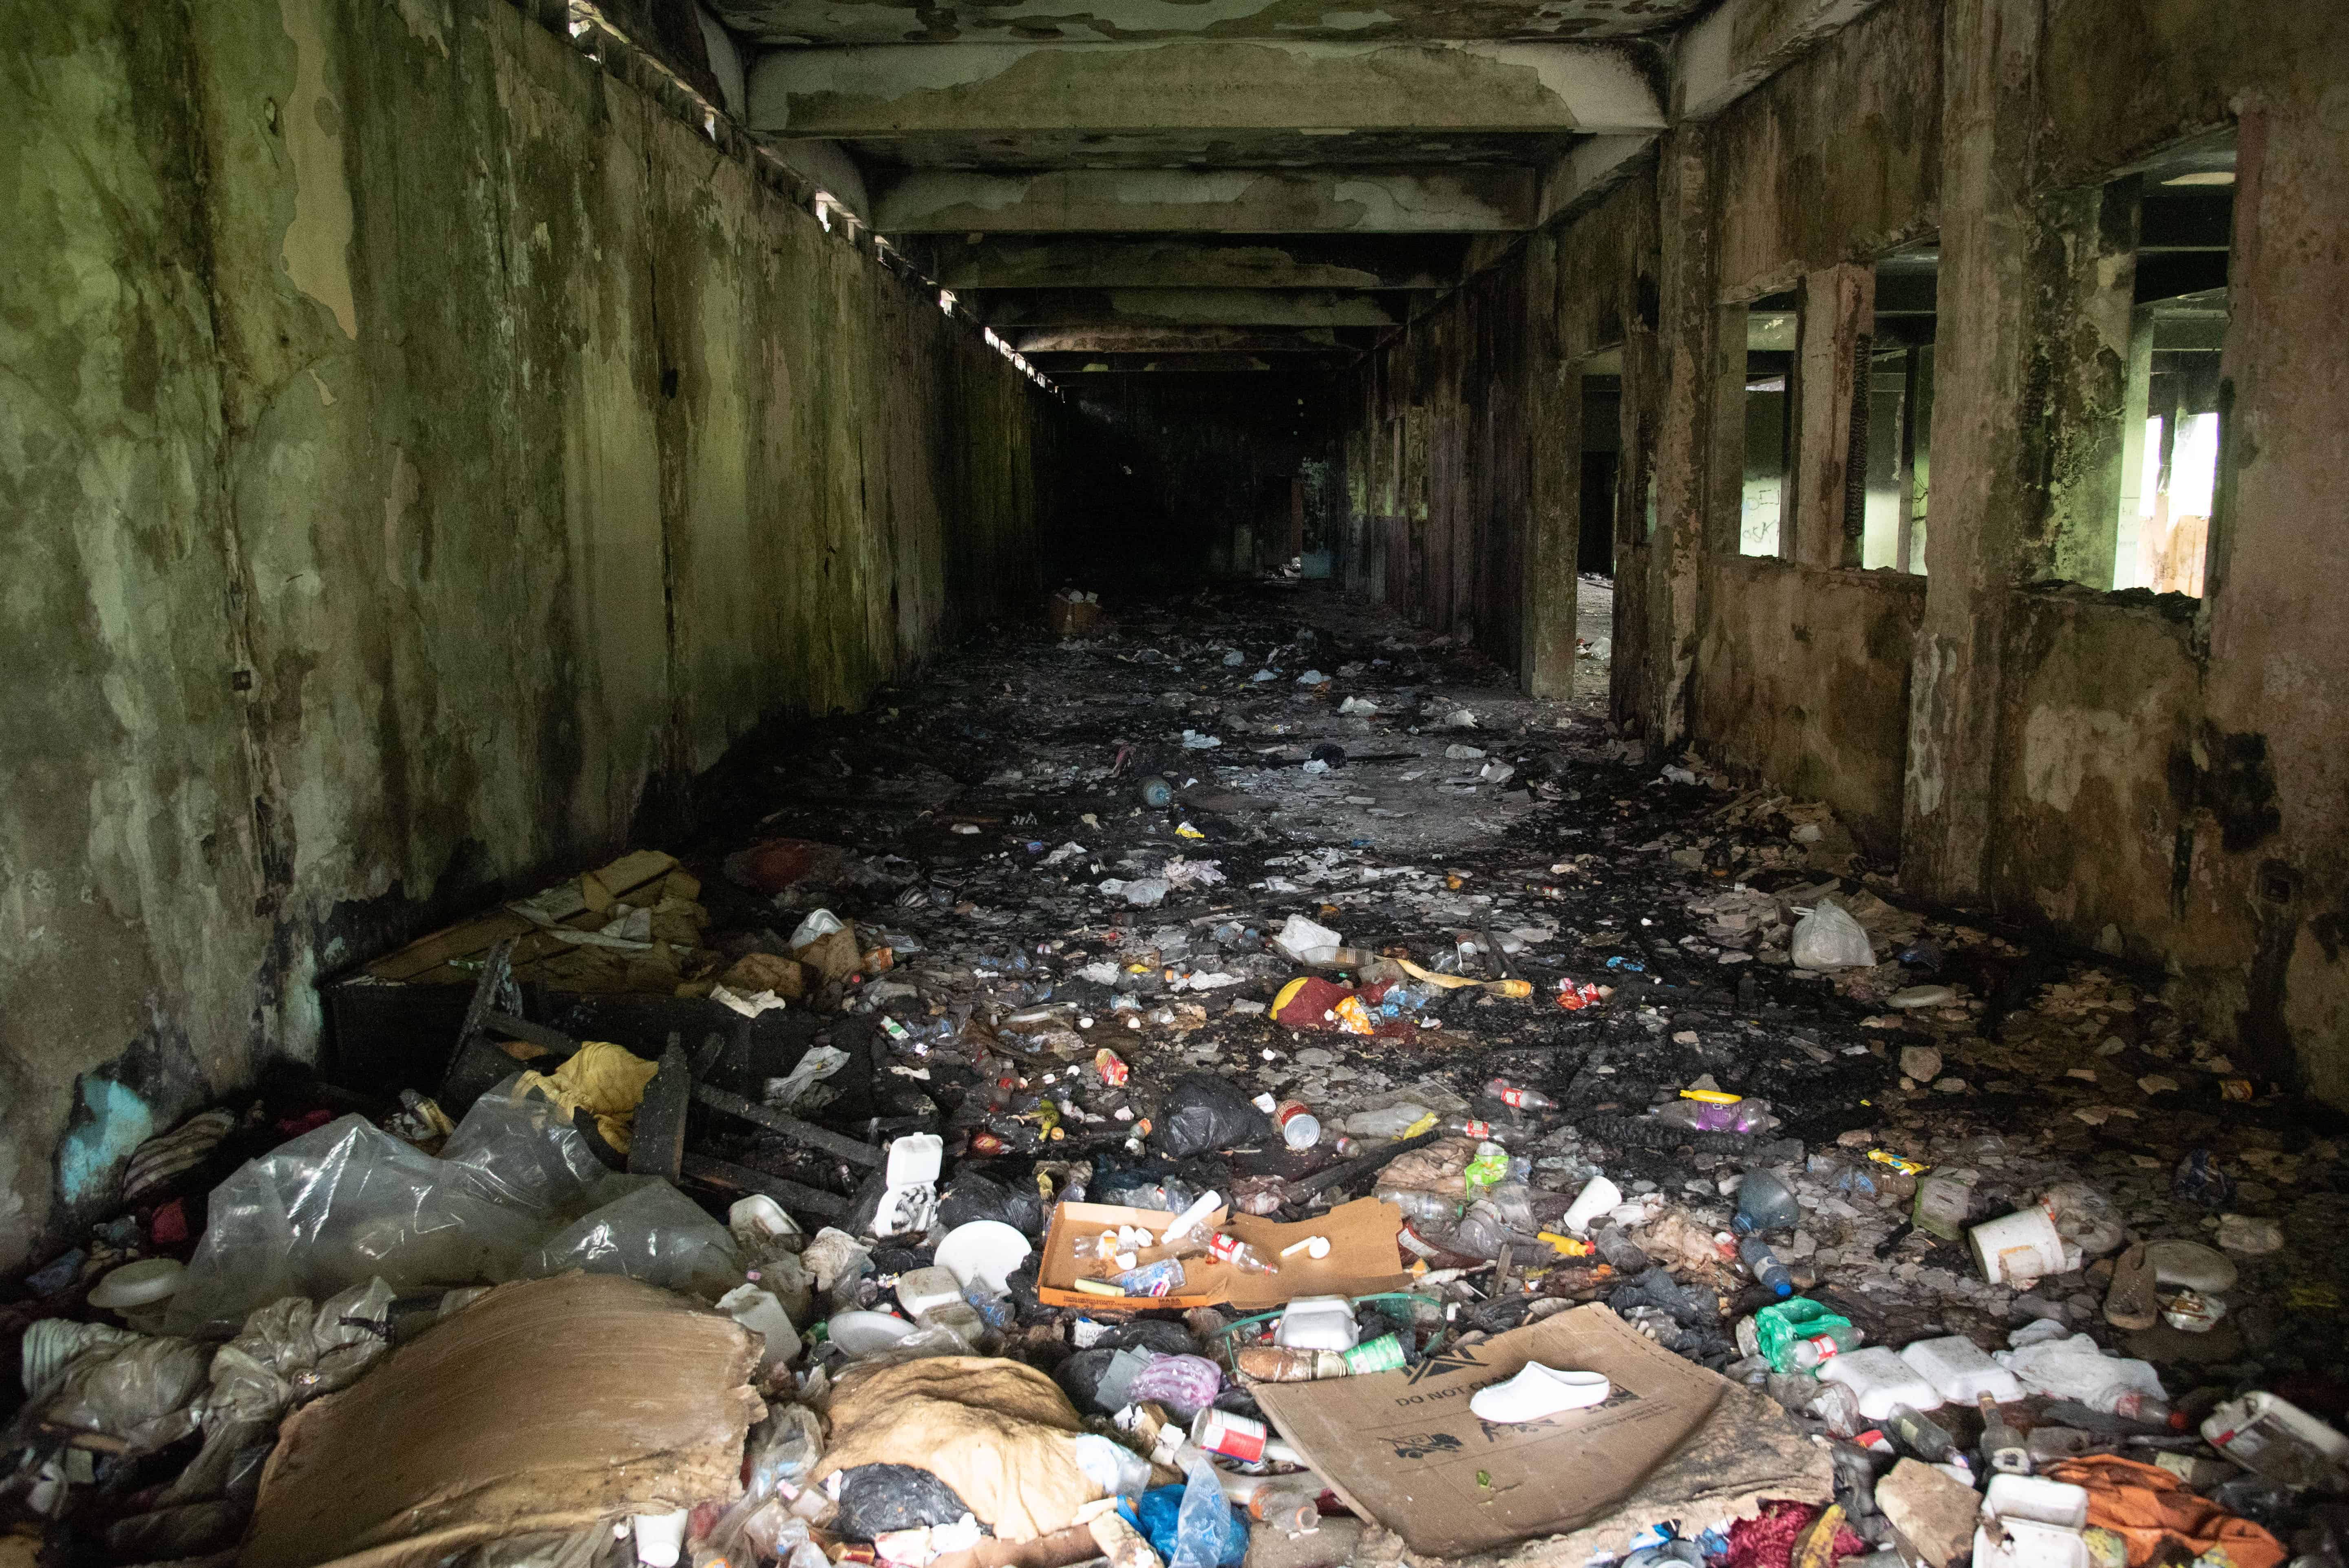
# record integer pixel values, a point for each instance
(1178, 308)
(1059, 366)
(1466, 199)
(1286, 261)
(1199, 85)
(1736, 48)
(1590, 168)
(1116, 340)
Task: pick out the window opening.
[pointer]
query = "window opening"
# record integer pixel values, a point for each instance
(2171, 431)
(1603, 462)
(1897, 461)
(1771, 325)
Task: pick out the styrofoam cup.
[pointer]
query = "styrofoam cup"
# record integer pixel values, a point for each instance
(2021, 1246)
(660, 1538)
(1598, 1197)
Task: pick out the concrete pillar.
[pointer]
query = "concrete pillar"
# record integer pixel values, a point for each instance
(1629, 690)
(2089, 272)
(1838, 313)
(1553, 416)
(1987, 445)
(2137, 399)
(1685, 434)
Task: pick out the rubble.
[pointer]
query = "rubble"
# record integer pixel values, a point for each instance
(1261, 912)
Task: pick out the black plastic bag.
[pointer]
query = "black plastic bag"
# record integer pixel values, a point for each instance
(877, 1498)
(1204, 1112)
(973, 1195)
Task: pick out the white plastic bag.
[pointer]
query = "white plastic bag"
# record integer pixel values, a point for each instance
(1828, 938)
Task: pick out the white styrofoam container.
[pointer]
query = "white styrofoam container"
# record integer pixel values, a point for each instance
(2037, 1499)
(923, 1289)
(2030, 1521)
(1318, 1322)
(1960, 1371)
(1881, 1380)
(2010, 1543)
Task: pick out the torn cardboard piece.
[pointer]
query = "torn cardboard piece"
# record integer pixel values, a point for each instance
(1362, 1258)
(1672, 1441)
(548, 1405)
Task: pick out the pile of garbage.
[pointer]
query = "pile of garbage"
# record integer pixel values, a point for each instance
(1224, 1090)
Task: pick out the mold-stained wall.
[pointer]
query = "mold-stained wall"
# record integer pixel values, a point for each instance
(2163, 780)
(419, 455)
(1803, 679)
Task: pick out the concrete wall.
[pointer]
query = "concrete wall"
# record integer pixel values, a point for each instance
(2168, 779)
(419, 453)
(1803, 679)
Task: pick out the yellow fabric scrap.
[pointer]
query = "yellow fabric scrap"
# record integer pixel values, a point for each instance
(605, 1080)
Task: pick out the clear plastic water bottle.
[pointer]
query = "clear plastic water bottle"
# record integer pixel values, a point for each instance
(1757, 1255)
(1509, 1095)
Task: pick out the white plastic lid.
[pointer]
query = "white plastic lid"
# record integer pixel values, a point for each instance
(139, 1284)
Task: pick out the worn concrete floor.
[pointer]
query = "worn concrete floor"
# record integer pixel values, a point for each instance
(995, 809)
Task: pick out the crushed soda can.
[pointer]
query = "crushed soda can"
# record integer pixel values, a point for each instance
(1110, 1067)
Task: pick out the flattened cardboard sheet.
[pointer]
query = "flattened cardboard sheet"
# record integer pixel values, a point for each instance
(1403, 1448)
(1363, 1259)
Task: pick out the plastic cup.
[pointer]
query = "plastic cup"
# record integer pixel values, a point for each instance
(660, 1538)
(2025, 1245)
(1599, 1195)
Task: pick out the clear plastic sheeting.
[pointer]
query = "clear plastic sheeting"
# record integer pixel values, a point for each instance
(515, 1194)
(655, 1234)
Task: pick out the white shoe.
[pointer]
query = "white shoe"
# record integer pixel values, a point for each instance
(1538, 1392)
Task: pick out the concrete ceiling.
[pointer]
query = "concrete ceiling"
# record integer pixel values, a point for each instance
(1108, 21)
(1226, 184)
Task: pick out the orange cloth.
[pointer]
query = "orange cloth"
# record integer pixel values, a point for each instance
(2144, 1505)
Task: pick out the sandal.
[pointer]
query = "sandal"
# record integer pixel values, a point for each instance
(2130, 1303)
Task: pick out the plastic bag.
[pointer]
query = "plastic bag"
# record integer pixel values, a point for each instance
(654, 1234)
(877, 1498)
(973, 1195)
(336, 1207)
(1185, 1385)
(1183, 1522)
(143, 1392)
(516, 1192)
(1204, 1112)
(1828, 938)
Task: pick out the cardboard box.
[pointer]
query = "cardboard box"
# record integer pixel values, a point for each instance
(1363, 1257)
(1402, 1447)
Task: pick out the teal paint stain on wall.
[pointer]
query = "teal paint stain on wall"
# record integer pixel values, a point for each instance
(113, 1122)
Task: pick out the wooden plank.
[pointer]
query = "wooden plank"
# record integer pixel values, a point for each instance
(798, 1131)
(656, 1145)
(460, 940)
(538, 1034)
(742, 1178)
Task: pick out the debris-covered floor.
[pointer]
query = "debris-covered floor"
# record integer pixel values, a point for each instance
(1262, 896)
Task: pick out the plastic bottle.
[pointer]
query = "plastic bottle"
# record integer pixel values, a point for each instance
(1510, 1094)
(2003, 1450)
(1287, 1363)
(1388, 1121)
(1418, 1204)
(1757, 1255)
(2133, 1405)
(1765, 1203)
(1239, 1255)
(1192, 1218)
(1287, 1505)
